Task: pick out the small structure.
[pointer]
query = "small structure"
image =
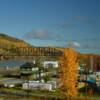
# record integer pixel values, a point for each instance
(53, 64)
(11, 82)
(37, 85)
(29, 69)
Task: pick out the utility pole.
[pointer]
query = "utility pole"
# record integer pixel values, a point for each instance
(91, 62)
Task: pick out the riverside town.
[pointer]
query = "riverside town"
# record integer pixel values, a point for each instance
(49, 50)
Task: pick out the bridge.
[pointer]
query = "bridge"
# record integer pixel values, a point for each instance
(29, 52)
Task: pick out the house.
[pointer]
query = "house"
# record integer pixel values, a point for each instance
(29, 69)
(53, 64)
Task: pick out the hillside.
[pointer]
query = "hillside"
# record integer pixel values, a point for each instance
(10, 46)
(8, 41)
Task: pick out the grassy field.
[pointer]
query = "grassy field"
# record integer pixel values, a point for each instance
(9, 97)
(18, 98)
(42, 95)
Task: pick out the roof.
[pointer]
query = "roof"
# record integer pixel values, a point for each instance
(28, 64)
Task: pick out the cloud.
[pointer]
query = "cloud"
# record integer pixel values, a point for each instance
(92, 40)
(38, 34)
(84, 19)
(43, 35)
(74, 44)
(90, 46)
(81, 18)
(66, 25)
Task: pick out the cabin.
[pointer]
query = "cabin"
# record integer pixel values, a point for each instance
(29, 70)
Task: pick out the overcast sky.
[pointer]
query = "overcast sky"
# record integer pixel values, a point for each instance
(53, 22)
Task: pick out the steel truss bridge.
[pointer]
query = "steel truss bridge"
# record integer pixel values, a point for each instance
(29, 52)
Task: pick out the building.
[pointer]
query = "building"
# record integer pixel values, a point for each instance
(11, 82)
(96, 63)
(53, 64)
(39, 85)
(90, 61)
(29, 69)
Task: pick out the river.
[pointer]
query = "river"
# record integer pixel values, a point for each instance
(13, 63)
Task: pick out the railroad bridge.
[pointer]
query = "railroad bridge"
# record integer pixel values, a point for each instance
(28, 52)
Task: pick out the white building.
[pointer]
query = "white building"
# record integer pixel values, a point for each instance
(37, 85)
(51, 63)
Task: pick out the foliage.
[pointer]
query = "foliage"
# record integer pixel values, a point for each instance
(68, 70)
(39, 63)
(47, 78)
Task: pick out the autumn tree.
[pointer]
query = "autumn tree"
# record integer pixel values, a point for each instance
(68, 70)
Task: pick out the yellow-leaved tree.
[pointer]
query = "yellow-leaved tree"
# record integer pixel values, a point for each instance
(68, 69)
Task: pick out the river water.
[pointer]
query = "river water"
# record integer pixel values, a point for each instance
(13, 63)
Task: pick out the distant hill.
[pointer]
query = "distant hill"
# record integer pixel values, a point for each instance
(11, 41)
(10, 45)
(16, 47)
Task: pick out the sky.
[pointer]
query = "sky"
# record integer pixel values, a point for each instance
(53, 22)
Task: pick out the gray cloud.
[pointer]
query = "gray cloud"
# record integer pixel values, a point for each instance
(84, 19)
(37, 34)
(92, 47)
(43, 35)
(74, 44)
(94, 40)
(81, 18)
(91, 44)
(67, 25)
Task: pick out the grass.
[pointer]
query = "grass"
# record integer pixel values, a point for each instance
(43, 95)
(11, 97)
(33, 93)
